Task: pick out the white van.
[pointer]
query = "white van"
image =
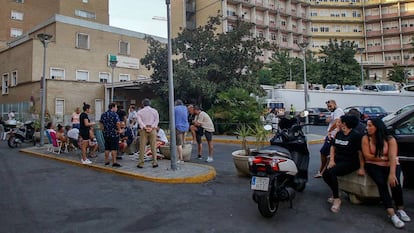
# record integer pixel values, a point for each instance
(380, 87)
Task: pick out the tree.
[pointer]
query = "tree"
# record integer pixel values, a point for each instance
(339, 64)
(207, 62)
(397, 74)
(235, 106)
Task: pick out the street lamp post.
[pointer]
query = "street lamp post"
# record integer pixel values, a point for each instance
(406, 57)
(303, 45)
(112, 63)
(361, 51)
(173, 147)
(45, 39)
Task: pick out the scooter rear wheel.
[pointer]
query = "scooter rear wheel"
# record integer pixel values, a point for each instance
(11, 142)
(267, 207)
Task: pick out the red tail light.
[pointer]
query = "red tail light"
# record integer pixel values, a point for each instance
(261, 162)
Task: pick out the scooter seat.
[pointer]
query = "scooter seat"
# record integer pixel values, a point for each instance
(273, 150)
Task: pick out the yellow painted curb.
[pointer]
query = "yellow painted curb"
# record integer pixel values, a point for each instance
(202, 178)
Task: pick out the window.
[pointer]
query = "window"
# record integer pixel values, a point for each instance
(82, 75)
(59, 109)
(19, 1)
(15, 15)
(103, 77)
(57, 73)
(123, 77)
(5, 84)
(124, 47)
(85, 1)
(273, 36)
(14, 78)
(16, 32)
(82, 41)
(85, 14)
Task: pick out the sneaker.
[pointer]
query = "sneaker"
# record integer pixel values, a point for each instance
(209, 159)
(116, 165)
(199, 157)
(403, 216)
(86, 161)
(317, 175)
(397, 222)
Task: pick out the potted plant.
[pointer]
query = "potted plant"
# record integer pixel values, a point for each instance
(241, 157)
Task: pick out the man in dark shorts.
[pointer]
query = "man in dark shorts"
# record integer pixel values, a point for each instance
(204, 126)
(111, 131)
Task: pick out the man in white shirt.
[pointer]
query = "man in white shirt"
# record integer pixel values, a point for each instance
(204, 125)
(333, 121)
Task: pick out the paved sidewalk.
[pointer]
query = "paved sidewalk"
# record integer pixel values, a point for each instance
(186, 173)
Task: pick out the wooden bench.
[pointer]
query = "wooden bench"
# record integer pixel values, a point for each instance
(358, 188)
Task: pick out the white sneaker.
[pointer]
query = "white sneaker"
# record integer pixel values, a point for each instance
(209, 159)
(86, 161)
(397, 221)
(403, 216)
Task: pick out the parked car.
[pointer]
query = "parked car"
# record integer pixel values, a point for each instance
(398, 112)
(332, 87)
(380, 88)
(316, 116)
(407, 90)
(351, 88)
(368, 112)
(402, 127)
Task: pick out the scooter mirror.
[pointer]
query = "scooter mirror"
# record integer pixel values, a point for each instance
(267, 127)
(304, 113)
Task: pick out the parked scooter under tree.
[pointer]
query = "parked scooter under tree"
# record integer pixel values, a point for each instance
(281, 168)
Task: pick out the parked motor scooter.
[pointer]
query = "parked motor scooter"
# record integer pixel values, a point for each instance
(281, 168)
(20, 133)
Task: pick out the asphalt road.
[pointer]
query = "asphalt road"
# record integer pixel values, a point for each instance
(41, 195)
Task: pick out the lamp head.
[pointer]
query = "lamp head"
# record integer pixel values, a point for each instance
(44, 38)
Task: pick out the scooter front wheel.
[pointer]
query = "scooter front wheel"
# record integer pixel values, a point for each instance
(12, 141)
(267, 207)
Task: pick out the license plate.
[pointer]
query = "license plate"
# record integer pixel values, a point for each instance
(260, 183)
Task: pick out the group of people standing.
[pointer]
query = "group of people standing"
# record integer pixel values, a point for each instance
(348, 147)
(119, 130)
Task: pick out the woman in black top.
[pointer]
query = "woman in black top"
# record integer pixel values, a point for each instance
(84, 131)
(345, 157)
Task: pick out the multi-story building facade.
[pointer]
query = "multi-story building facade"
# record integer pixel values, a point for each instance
(284, 23)
(389, 29)
(19, 16)
(77, 60)
(380, 28)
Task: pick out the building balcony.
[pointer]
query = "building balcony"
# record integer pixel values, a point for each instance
(389, 16)
(407, 13)
(374, 33)
(407, 29)
(372, 17)
(391, 31)
(407, 46)
(392, 47)
(371, 49)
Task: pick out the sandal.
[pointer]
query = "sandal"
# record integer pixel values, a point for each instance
(93, 156)
(336, 206)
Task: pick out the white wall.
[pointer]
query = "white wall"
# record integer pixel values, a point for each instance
(390, 102)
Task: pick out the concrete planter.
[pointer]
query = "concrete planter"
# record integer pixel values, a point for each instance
(241, 162)
(187, 148)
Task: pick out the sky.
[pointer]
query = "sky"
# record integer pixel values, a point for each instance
(136, 15)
